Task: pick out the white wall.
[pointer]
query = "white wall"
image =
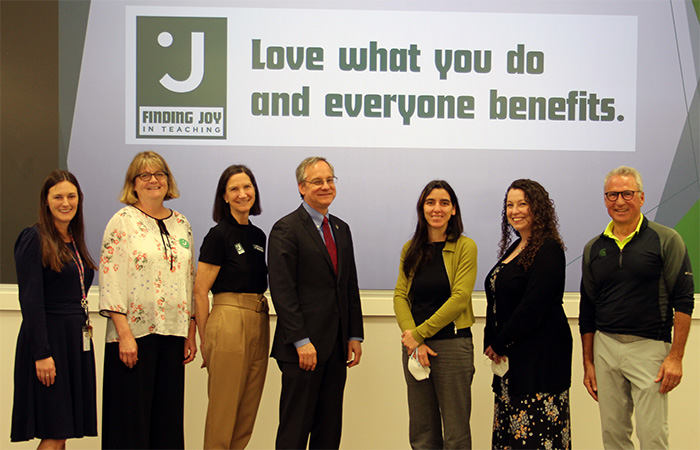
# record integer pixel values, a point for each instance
(376, 413)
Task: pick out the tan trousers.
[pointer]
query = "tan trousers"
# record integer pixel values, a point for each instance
(625, 372)
(236, 349)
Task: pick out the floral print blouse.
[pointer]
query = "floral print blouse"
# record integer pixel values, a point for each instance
(147, 273)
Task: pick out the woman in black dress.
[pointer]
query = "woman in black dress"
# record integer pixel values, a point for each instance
(54, 396)
(526, 327)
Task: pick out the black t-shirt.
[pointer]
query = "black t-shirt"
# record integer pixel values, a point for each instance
(431, 289)
(240, 252)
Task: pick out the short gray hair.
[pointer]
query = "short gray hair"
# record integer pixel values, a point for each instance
(625, 171)
(308, 162)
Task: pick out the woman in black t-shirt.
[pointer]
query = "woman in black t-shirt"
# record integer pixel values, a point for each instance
(235, 336)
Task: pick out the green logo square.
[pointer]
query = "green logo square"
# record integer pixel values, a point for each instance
(181, 77)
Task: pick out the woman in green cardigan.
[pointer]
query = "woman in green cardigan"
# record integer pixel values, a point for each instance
(433, 307)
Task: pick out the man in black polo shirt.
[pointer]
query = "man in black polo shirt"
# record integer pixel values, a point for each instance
(637, 286)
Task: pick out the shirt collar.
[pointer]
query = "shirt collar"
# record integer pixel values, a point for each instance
(316, 216)
(609, 232)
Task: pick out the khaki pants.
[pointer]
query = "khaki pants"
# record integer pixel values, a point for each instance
(236, 349)
(625, 373)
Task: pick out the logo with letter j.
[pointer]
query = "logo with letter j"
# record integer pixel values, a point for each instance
(165, 39)
(181, 77)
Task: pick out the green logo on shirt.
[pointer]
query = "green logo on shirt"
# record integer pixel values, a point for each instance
(602, 253)
(184, 243)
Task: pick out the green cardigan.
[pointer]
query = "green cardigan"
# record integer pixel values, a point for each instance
(460, 263)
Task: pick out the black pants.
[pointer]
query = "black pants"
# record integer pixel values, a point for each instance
(311, 403)
(142, 407)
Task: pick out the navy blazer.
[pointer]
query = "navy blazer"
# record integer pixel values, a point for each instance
(310, 300)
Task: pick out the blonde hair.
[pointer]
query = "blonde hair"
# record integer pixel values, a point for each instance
(148, 158)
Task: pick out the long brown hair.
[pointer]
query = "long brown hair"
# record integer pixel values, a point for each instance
(419, 253)
(545, 223)
(54, 251)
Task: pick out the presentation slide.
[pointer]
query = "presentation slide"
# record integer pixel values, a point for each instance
(395, 94)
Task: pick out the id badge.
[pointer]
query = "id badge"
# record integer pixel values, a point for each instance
(86, 339)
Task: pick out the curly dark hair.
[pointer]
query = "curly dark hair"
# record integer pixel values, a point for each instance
(419, 252)
(545, 223)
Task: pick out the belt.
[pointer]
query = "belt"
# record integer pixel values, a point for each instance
(624, 338)
(254, 302)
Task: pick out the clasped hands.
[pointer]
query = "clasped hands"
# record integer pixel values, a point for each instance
(424, 352)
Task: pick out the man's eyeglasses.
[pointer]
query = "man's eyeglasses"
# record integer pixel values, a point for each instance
(320, 181)
(146, 176)
(626, 195)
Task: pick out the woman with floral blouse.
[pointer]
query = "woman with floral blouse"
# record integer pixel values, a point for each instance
(146, 282)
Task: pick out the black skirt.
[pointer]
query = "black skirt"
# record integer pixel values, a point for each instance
(67, 409)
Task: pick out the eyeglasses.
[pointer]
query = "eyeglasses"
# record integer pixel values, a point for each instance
(319, 181)
(626, 195)
(146, 176)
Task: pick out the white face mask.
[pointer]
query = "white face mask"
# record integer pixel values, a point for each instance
(500, 369)
(419, 372)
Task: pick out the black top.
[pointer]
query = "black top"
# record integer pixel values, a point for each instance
(430, 290)
(240, 252)
(635, 290)
(44, 291)
(525, 321)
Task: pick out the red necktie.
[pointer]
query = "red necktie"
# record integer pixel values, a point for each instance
(330, 243)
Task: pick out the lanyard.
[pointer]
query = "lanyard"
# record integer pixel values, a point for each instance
(81, 272)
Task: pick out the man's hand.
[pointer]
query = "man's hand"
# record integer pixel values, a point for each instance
(307, 356)
(354, 353)
(589, 380)
(670, 374)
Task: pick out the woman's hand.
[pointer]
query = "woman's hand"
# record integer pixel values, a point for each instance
(190, 343)
(201, 347)
(128, 350)
(423, 355)
(408, 341)
(493, 356)
(46, 371)
(190, 350)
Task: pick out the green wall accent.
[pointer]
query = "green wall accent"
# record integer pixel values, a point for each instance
(689, 228)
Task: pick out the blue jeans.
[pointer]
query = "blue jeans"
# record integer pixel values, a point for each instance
(444, 399)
